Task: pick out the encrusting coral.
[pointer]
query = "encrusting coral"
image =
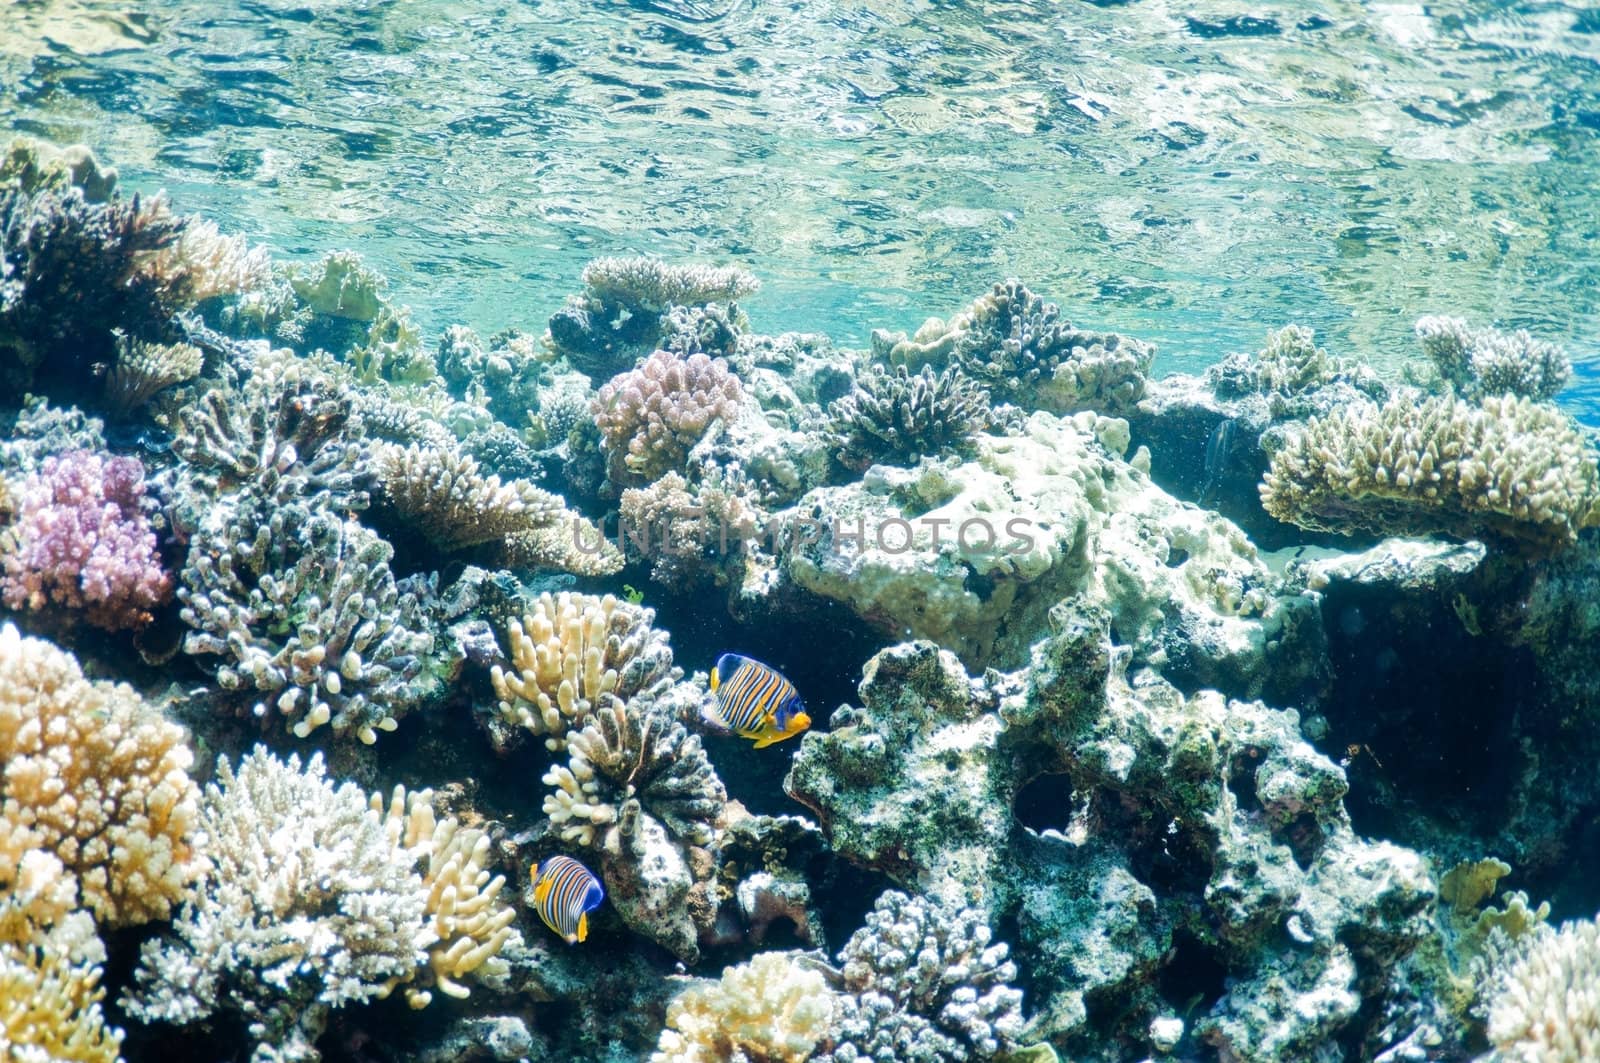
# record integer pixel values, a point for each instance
(1486, 361)
(80, 540)
(570, 653)
(769, 1010)
(650, 417)
(1505, 467)
(923, 984)
(319, 896)
(99, 779)
(897, 416)
(1541, 995)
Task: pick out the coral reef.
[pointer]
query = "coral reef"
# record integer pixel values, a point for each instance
(97, 778)
(569, 655)
(444, 495)
(80, 539)
(1291, 363)
(1016, 344)
(143, 369)
(923, 983)
(50, 997)
(1484, 362)
(651, 417)
(898, 417)
(770, 1010)
(1541, 998)
(1506, 468)
(692, 534)
(626, 310)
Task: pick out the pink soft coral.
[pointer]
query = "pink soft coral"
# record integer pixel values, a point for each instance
(80, 539)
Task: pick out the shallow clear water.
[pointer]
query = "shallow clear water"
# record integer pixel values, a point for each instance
(1189, 172)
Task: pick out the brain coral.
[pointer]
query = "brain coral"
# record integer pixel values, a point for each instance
(100, 778)
(1505, 467)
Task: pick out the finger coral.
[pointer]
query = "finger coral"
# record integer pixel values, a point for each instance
(924, 985)
(1486, 361)
(650, 417)
(898, 417)
(632, 750)
(1542, 996)
(310, 903)
(770, 1010)
(1505, 467)
(569, 653)
(99, 779)
(80, 540)
(469, 922)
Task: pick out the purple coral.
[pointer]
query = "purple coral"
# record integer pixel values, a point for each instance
(651, 416)
(80, 539)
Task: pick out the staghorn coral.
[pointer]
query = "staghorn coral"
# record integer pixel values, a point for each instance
(769, 1010)
(1013, 342)
(80, 540)
(142, 369)
(650, 417)
(444, 494)
(568, 653)
(300, 605)
(469, 923)
(310, 903)
(627, 751)
(898, 417)
(1481, 362)
(1541, 995)
(1506, 467)
(923, 982)
(626, 309)
(98, 779)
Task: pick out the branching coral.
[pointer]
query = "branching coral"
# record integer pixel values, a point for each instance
(99, 779)
(624, 312)
(629, 750)
(1480, 362)
(898, 417)
(770, 1010)
(1542, 996)
(445, 496)
(468, 921)
(309, 904)
(1018, 345)
(690, 533)
(572, 651)
(924, 985)
(1289, 364)
(142, 369)
(50, 998)
(302, 608)
(650, 417)
(80, 540)
(1505, 467)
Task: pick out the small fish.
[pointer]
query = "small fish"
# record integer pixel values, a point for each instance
(564, 893)
(756, 702)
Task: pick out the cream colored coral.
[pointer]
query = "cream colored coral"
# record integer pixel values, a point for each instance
(770, 1010)
(464, 909)
(142, 369)
(450, 501)
(35, 890)
(208, 264)
(100, 777)
(1543, 999)
(568, 653)
(50, 1008)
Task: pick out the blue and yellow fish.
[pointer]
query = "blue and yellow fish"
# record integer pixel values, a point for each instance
(756, 702)
(564, 893)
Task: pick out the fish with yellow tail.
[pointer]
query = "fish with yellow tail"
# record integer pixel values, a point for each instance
(564, 893)
(754, 701)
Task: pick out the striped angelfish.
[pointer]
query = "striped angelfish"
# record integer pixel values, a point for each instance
(564, 893)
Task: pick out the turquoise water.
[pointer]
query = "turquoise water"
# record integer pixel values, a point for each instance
(1192, 173)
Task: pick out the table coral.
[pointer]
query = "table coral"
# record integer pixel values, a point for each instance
(80, 540)
(572, 652)
(1504, 467)
(101, 780)
(651, 417)
(769, 1010)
